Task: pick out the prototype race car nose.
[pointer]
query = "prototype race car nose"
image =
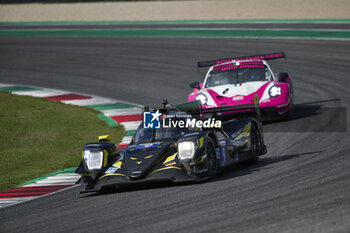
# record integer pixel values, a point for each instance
(138, 166)
(140, 161)
(135, 175)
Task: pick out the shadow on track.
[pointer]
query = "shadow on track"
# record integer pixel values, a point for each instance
(137, 187)
(228, 173)
(246, 169)
(311, 117)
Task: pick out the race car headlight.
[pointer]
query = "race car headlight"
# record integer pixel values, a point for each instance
(202, 98)
(93, 159)
(275, 91)
(186, 150)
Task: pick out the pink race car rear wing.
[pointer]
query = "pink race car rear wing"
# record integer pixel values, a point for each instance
(269, 56)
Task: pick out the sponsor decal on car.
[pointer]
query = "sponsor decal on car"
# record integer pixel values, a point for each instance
(111, 170)
(238, 98)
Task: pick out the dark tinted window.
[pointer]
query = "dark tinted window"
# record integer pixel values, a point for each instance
(155, 135)
(234, 76)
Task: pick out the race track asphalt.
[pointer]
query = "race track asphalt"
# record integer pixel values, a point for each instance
(301, 185)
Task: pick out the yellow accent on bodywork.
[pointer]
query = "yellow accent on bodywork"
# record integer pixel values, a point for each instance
(200, 161)
(171, 157)
(164, 168)
(104, 137)
(201, 142)
(132, 158)
(256, 100)
(139, 162)
(245, 133)
(118, 164)
(147, 157)
(159, 160)
(111, 174)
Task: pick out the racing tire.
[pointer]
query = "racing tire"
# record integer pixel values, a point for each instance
(87, 183)
(255, 141)
(291, 112)
(212, 162)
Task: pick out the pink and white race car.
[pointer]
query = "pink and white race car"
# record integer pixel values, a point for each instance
(236, 81)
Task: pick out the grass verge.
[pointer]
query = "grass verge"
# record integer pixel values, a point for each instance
(38, 136)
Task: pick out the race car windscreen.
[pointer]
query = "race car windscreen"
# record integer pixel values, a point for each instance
(144, 135)
(239, 75)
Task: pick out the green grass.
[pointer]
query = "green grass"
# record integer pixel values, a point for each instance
(182, 32)
(38, 136)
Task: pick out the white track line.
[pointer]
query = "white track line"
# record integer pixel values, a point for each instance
(131, 125)
(21, 200)
(46, 184)
(126, 140)
(41, 93)
(93, 101)
(57, 179)
(5, 85)
(11, 201)
(122, 112)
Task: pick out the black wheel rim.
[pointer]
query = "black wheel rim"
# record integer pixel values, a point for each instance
(211, 159)
(255, 142)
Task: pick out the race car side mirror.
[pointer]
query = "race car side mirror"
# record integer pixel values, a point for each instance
(282, 77)
(195, 86)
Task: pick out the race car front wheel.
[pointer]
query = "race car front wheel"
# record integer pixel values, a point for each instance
(211, 158)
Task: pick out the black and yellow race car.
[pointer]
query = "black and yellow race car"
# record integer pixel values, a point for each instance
(176, 154)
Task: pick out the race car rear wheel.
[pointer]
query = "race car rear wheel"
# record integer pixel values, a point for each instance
(255, 140)
(211, 158)
(291, 112)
